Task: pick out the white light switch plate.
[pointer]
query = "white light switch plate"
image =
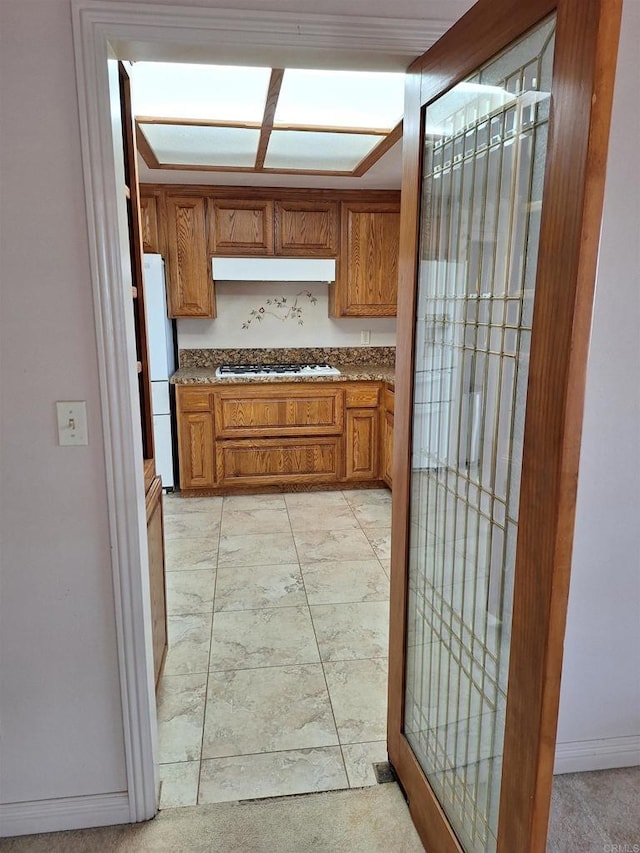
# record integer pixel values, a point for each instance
(72, 422)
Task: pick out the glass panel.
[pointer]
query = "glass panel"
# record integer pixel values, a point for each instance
(483, 170)
(340, 99)
(212, 92)
(192, 145)
(291, 149)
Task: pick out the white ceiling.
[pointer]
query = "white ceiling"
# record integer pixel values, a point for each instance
(426, 18)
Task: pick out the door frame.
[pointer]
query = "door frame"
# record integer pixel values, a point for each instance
(584, 70)
(131, 30)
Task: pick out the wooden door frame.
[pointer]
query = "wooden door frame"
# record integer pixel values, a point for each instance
(582, 93)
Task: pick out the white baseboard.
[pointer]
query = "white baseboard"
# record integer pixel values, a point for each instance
(64, 813)
(605, 754)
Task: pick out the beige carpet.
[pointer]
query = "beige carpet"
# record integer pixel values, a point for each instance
(375, 820)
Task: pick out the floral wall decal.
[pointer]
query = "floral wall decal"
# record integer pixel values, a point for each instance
(280, 308)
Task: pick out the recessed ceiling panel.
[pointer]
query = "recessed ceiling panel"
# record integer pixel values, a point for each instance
(214, 92)
(340, 99)
(194, 145)
(331, 152)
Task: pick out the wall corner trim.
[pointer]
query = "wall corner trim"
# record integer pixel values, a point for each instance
(65, 813)
(601, 754)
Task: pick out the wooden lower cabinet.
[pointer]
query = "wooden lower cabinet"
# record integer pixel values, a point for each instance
(155, 537)
(281, 435)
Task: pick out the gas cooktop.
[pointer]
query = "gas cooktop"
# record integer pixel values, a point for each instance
(236, 370)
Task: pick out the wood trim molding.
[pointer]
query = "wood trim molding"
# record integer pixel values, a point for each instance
(379, 151)
(271, 193)
(271, 103)
(145, 150)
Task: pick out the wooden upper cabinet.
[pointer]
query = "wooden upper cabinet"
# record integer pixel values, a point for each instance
(190, 286)
(149, 224)
(367, 280)
(306, 228)
(240, 227)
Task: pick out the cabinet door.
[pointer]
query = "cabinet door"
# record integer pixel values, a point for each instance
(362, 444)
(387, 447)
(240, 227)
(195, 437)
(306, 229)
(149, 224)
(367, 282)
(189, 285)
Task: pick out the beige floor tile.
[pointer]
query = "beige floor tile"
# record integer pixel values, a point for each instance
(380, 539)
(269, 637)
(189, 639)
(332, 545)
(267, 710)
(314, 499)
(359, 759)
(253, 587)
(189, 553)
(358, 691)
(254, 502)
(352, 631)
(272, 774)
(372, 514)
(180, 701)
(179, 784)
(360, 497)
(329, 517)
(190, 592)
(173, 504)
(350, 580)
(260, 549)
(263, 520)
(186, 525)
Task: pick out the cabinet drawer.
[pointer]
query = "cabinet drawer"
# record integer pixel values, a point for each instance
(389, 400)
(193, 399)
(276, 461)
(278, 410)
(362, 396)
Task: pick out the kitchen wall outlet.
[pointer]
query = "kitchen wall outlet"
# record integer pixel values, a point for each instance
(365, 337)
(72, 423)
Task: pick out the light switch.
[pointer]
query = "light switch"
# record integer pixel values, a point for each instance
(72, 422)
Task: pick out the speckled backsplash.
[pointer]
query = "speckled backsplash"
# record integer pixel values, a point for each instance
(334, 355)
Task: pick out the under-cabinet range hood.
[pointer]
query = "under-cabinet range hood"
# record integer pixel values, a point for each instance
(273, 269)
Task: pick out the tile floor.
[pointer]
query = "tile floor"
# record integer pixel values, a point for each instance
(275, 678)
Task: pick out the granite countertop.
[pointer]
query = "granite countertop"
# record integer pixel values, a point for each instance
(348, 373)
(356, 364)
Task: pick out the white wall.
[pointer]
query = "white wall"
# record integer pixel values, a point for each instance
(236, 300)
(599, 723)
(59, 686)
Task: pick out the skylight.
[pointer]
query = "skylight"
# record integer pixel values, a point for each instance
(179, 90)
(264, 119)
(355, 99)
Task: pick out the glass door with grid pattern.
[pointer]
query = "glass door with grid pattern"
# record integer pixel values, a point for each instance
(484, 153)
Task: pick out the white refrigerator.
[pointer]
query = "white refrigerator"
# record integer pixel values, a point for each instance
(162, 363)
